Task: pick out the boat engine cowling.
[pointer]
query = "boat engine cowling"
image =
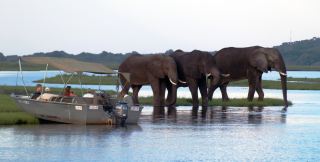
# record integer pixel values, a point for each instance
(121, 111)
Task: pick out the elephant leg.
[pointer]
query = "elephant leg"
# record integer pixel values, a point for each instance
(203, 92)
(124, 91)
(135, 89)
(223, 89)
(253, 80)
(193, 87)
(155, 85)
(259, 89)
(162, 93)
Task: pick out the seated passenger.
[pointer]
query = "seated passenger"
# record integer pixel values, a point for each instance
(67, 91)
(47, 95)
(89, 94)
(72, 93)
(37, 92)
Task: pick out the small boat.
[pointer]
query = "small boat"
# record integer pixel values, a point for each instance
(100, 108)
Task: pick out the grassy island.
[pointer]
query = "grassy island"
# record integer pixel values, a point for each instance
(85, 79)
(293, 83)
(11, 114)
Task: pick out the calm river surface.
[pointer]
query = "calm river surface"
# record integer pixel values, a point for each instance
(222, 134)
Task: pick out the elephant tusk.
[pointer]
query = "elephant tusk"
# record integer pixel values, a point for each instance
(283, 74)
(208, 75)
(172, 82)
(182, 81)
(225, 75)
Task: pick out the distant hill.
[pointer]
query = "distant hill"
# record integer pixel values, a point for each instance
(106, 58)
(304, 52)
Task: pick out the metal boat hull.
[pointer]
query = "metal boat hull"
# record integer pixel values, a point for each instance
(73, 113)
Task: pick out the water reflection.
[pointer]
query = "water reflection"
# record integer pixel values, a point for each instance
(70, 132)
(219, 115)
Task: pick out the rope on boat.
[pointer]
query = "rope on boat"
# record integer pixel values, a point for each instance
(44, 79)
(24, 84)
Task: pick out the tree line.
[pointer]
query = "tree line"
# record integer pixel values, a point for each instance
(303, 52)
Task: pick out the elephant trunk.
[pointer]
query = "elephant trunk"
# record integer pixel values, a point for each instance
(283, 75)
(172, 95)
(172, 89)
(214, 76)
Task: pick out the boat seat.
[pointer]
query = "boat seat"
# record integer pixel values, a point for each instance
(88, 100)
(56, 99)
(67, 99)
(47, 96)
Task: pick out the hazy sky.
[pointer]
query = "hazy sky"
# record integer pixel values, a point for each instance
(149, 26)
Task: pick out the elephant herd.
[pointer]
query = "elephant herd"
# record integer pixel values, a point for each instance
(200, 70)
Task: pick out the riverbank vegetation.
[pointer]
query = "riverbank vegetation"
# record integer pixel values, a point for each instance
(298, 55)
(303, 68)
(293, 83)
(11, 114)
(85, 79)
(235, 102)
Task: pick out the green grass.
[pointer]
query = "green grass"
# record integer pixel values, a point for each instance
(304, 79)
(302, 84)
(11, 118)
(20, 90)
(85, 79)
(14, 66)
(7, 104)
(303, 68)
(11, 114)
(270, 84)
(235, 102)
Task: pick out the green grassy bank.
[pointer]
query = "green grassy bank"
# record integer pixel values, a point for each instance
(13, 66)
(85, 79)
(11, 114)
(235, 102)
(299, 84)
(303, 68)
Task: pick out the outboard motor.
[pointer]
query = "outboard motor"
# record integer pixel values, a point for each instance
(121, 112)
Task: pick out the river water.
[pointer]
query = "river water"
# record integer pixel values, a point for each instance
(217, 134)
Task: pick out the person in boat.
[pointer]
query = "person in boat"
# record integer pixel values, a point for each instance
(37, 92)
(68, 92)
(46, 96)
(89, 94)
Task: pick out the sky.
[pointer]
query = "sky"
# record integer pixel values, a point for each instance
(150, 26)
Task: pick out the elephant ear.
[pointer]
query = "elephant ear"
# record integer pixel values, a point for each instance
(259, 61)
(156, 68)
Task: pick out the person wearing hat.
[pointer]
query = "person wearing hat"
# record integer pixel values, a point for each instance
(37, 92)
(46, 96)
(68, 92)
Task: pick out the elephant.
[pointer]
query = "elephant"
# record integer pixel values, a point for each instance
(249, 63)
(194, 68)
(153, 69)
